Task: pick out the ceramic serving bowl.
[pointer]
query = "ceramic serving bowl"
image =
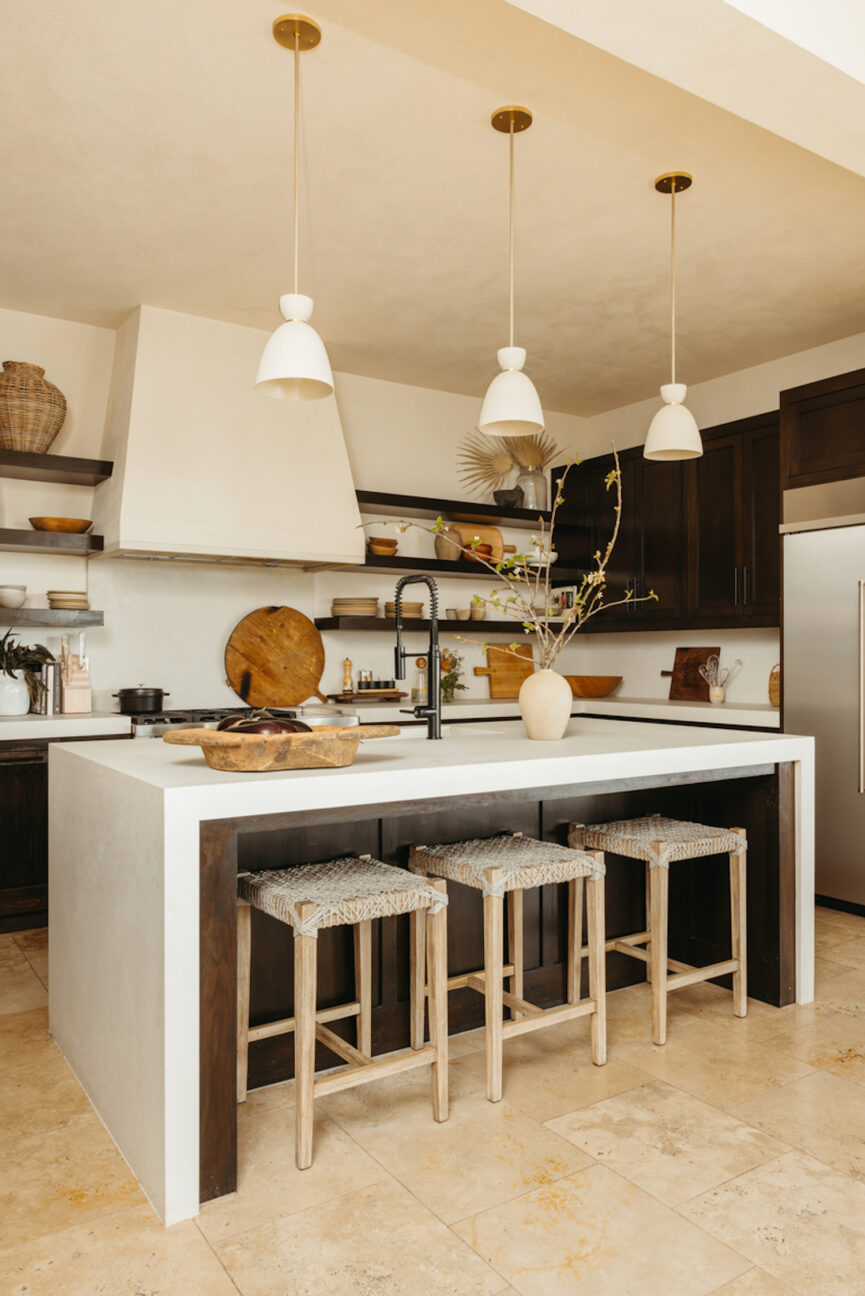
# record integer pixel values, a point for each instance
(71, 526)
(593, 686)
(12, 596)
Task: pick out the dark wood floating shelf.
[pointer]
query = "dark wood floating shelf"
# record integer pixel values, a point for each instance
(416, 624)
(418, 506)
(436, 567)
(65, 469)
(46, 617)
(58, 542)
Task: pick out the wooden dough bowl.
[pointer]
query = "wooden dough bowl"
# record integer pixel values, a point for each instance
(326, 747)
(593, 686)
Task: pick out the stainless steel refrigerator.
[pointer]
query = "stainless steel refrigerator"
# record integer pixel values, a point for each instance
(824, 691)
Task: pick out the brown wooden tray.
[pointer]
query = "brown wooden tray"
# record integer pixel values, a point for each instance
(325, 747)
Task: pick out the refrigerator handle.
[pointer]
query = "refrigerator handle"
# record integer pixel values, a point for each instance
(862, 688)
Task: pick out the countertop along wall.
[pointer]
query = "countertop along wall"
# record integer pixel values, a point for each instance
(167, 622)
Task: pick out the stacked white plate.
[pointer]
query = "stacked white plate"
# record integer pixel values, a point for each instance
(68, 600)
(410, 611)
(363, 607)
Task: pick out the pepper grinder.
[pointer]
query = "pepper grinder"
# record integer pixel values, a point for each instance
(347, 685)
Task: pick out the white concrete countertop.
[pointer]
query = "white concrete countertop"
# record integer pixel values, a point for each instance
(741, 714)
(124, 855)
(13, 728)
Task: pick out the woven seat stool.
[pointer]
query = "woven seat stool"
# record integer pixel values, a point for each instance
(505, 866)
(660, 842)
(341, 892)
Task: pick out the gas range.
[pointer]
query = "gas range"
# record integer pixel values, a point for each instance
(154, 724)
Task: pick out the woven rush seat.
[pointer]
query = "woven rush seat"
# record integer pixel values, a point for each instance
(521, 861)
(502, 867)
(351, 891)
(637, 838)
(344, 891)
(660, 842)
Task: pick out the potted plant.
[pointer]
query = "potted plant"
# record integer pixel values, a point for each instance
(20, 674)
(527, 596)
(452, 669)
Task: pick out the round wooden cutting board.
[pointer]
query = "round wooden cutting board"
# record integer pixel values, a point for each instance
(274, 658)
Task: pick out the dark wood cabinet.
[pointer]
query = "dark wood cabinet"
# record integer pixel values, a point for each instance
(823, 431)
(702, 534)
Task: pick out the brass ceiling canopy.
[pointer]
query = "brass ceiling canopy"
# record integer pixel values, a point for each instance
(511, 117)
(291, 26)
(673, 182)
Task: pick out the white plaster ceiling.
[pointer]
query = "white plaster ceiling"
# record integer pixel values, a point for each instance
(146, 155)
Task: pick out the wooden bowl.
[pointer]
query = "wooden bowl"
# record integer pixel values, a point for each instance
(593, 686)
(326, 747)
(72, 526)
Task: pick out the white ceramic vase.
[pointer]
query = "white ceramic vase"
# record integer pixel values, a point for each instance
(14, 696)
(545, 705)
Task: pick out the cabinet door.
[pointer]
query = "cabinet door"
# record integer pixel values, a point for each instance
(664, 540)
(761, 570)
(626, 562)
(823, 430)
(716, 497)
(24, 857)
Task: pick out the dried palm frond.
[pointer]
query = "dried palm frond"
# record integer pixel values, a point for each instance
(484, 462)
(535, 451)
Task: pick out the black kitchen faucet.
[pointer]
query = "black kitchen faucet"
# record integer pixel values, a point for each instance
(432, 712)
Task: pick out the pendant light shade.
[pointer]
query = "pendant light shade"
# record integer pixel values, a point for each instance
(511, 407)
(294, 365)
(673, 432)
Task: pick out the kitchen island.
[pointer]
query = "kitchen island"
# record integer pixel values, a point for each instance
(146, 843)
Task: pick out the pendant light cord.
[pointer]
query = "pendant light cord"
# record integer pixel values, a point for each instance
(296, 146)
(511, 230)
(673, 280)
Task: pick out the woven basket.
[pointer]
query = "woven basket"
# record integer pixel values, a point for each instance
(775, 685)
(32, 409)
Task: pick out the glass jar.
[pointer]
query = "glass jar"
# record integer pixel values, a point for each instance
(533, 483)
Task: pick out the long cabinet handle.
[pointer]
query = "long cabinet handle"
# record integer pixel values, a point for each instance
(735, 587)
(744, 587)
(862, 688)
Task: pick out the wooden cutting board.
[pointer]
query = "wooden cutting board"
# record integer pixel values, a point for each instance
(486, 535)
(507, 672)
(687, 684)
(274, 658)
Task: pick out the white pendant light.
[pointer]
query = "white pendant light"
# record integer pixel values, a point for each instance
(511, 406)
(673, 432)
(294, 365)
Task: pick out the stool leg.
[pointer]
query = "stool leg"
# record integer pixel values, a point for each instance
(244, 959)
(437, 976)
(515, 944)
(738, 913)
(305, 950)
(659, 881)
(597, 963)
(417, 983)
(363, 984)
(649, 922)
(493, 1002)
(575, 939)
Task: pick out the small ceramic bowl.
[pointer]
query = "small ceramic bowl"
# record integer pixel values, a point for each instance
(451, 614)
(12, 596)
(463, 614)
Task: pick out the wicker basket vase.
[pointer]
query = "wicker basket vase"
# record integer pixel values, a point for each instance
(32, 409)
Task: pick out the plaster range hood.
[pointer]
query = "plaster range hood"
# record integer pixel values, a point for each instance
(206, 469)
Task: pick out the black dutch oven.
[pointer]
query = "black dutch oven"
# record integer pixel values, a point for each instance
(140, 701)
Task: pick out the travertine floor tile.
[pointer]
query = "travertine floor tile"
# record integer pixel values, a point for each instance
(269, 1183)
(20, 987)
(849, 954)
(629, 1016)
(796, 1218)
(845, 993)
(38, 1091)
(713, 1003)
(127, 1253)
(31, 942)
(65, 1177)
(828, 921)
(594, 1234)
(550, 1073)
(756, 1282)
(713, 1061)
(822, 1114)
(466, 1042)
(833, 1042)
(667, 1142)
(484, 1153)
(24, 1036)
(376, 1241)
